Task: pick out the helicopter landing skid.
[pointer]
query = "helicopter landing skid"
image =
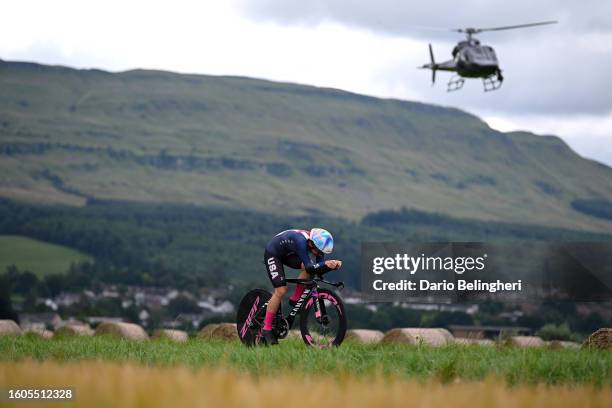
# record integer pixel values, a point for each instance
(492, 83)
(455, 83)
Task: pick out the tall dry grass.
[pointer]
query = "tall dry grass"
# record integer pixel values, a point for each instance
(512, 364)
(105, 384)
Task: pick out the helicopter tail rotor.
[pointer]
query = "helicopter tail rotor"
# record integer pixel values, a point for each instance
(433, 65)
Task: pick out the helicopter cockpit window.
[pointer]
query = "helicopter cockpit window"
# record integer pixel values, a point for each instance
(489, 53)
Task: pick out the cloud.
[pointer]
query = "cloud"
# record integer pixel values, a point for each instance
(398, 17)
(590, 136)
(559, 69)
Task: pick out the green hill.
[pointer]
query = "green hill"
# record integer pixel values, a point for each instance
(39, 257)
(69, 135)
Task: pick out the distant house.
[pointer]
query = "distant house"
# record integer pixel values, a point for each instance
(441, 307)
(485, 332)
(172, 324)
(126, 303)
(67, 299)
(143, 315)
(110, 293)
(153, 299)
(95, 320)
(72, 321)
(194, 319)
(223, 307)
(39, 321)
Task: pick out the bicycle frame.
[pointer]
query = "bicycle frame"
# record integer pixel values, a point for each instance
(310, 291)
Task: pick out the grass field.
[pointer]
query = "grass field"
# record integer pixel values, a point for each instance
(107, 372)
(509, 365)
(36, 256)
(103, 384)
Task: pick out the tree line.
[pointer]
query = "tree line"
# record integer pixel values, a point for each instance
(185, 246)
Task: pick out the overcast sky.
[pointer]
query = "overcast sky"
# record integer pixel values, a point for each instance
(556, 77)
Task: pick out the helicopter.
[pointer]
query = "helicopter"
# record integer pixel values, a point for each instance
(473, 60)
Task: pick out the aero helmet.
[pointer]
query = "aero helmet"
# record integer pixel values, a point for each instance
(322, 240)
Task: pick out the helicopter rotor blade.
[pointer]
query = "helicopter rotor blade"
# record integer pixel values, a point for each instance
(479, 30)
(433, 64)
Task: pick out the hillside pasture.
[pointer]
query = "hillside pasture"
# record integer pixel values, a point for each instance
(41, 258)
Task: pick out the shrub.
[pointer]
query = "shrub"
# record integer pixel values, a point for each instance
(556, 332)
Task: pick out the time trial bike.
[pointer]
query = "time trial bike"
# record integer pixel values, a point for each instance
(321, 311)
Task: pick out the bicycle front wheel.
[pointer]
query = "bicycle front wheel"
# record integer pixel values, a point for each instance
(323, 320)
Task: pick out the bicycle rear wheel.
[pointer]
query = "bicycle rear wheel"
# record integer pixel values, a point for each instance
(249, 319)
(327, 328)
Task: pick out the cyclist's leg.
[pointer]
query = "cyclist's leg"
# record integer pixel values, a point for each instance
(299, 288)
(294, 262)
(276, 273)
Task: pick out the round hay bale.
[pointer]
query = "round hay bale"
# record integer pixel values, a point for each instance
(43, 334)
(128, 331)
(74, 330)
(558, 344)
(178, 336)
(464, 342)
(601, 338)
(418, 336)
(365, 336)
(447, 335)
(225, 331)
(9, 328)
(474, 342)
(525, 341)
(207, 331)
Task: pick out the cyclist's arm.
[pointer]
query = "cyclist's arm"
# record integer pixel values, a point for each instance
(313, 268)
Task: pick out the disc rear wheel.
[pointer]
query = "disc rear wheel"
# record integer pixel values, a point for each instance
(250, 317)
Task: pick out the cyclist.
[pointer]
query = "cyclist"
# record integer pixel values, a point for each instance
(294, 249)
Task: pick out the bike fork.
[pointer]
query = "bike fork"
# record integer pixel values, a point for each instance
(320, 310)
